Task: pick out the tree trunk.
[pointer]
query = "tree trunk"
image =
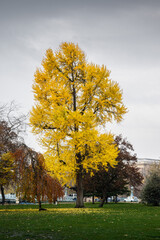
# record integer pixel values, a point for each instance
(79, 201)
(79, 184)
(3, 196)
(106, 199)
(93, 198)
(102, 202)
(40, 206)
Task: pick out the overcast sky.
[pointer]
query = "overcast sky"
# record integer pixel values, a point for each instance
(123, 35)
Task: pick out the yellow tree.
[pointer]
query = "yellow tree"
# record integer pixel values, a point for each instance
(7, 167)
(72, 99)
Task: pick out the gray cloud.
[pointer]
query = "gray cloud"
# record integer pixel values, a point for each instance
(123, 35)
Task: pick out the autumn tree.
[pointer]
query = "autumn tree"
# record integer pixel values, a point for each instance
(72, 99)
(8, 143)
(7, 168)
(10, 127)
(32, 179)
(116, 180)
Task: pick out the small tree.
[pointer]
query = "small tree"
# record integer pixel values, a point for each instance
(8, 144)
(151, 190)
(7, 168)
(33, 181)
(115, 180)
(11, 124)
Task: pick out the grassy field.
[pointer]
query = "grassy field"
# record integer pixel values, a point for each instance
(114, 221)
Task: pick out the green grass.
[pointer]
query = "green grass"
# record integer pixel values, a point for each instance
(114, 221)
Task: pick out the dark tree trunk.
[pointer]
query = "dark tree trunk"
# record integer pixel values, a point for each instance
(106, 199)
(3, 196)
(79, 180)
(116, 200)
(79, 184)
(93, 198)
(40, 206)
(102, 202)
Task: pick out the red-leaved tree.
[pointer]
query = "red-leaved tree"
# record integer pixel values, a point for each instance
(32, 180)
(116, 180)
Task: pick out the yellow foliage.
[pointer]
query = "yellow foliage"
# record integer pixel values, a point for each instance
(73, 98)
(6, 168)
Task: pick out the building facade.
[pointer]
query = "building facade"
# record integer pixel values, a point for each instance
(144, 165)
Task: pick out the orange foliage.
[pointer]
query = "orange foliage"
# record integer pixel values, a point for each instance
(32, 179)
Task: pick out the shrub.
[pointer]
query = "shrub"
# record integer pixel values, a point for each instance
(151, 191)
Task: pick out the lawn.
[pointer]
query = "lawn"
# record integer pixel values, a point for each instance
(113, 221)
